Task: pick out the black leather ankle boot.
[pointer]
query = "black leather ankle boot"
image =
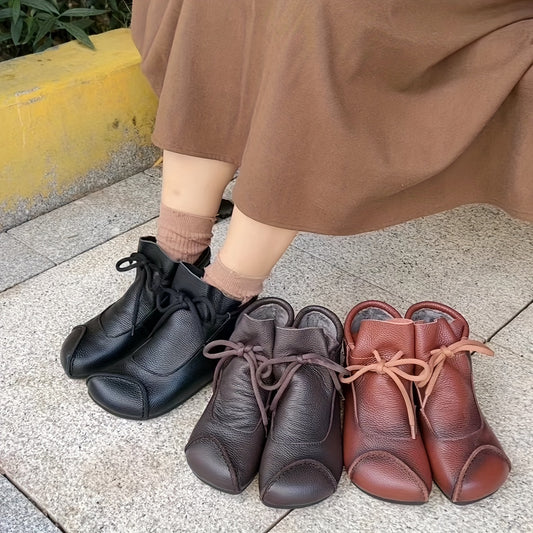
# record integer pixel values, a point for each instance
(169, 367)
(124, 325)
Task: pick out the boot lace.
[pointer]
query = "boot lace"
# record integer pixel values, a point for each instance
(294, 363)
(390, 368)
(253, 355)
(169, 300)
(439, 356)
(150, 274)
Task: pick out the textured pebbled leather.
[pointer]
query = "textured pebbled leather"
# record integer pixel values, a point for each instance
(467, 460)
(380, 454)
(106, 338)
(168, 368)
(225, 446)
(302, 459)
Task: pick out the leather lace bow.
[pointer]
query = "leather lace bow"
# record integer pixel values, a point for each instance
(253, 355)
(151, 276)
(390, 368)
(439, 356)
(169, 300)
(294, 363)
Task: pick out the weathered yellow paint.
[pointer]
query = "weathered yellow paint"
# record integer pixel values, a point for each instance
(64, 112)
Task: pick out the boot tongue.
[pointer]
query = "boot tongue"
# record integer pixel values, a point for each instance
(440, 332)
(254, 332)
(385, 336)
(188, 279)
(292, 341)
(149, 248)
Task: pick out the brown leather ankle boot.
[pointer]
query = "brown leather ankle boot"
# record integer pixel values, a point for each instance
(467, 460)
(383, 451)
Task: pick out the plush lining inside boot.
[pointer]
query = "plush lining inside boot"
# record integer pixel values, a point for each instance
(271, 312)
(370, 313)
(315, 319)
(429, 315)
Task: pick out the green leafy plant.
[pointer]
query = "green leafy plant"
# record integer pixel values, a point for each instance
(28, 26)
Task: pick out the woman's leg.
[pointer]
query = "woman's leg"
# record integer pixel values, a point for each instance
(249, 253)
(193, 184)
(190, 198)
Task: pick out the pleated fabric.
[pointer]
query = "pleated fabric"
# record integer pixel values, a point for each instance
(346, 116)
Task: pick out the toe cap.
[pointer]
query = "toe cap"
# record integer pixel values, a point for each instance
(119, 395)
(384, 476)
(299, 484)
(68, 353)
(485, 472)
(207, 460)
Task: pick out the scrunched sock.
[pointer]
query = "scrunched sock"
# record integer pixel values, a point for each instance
(231, 283)
(183, 236)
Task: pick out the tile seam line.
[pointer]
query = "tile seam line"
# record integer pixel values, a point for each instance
(15, 238)
(518, 313)
(276, 522)
(345, 271)
(24, 493)
(8, 230)
(73, 256)
(483, 337)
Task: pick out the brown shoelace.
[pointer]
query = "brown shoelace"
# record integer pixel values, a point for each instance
(294, 363)
(390, 368)
(439, 356)
(251, 354)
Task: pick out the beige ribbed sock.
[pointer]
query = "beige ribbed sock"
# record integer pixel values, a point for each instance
(232, 284)
(183, 236)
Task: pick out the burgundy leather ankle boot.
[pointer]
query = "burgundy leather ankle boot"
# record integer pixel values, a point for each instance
(383, 450)
(467, 461)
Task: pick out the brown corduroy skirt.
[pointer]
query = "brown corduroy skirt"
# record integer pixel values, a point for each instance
(348, 115)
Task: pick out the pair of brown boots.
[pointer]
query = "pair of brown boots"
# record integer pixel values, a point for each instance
(401, 365)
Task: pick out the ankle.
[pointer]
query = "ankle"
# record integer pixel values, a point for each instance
(183, 236)
(233, 284)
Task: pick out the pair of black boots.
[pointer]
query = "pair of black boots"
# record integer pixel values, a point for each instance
(142, 356)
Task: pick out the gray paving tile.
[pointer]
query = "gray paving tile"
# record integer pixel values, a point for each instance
(18, 514)
(93, 471)
(518, 334)
(303, 279)
(93, 219)
(18, 262)
(474, 258)
(90, 470)
(503, 387)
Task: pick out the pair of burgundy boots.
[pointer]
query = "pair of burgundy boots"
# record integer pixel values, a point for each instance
(275, 408)
(401, 365)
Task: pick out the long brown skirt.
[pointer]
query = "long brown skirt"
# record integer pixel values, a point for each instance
(348, 115)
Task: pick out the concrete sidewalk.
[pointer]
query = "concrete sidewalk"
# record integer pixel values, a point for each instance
(68, 465)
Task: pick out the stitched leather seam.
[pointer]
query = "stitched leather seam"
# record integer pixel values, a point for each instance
(140, 387)
(74, 357)
(197, 354)
(333, 400)
(463, 474)
(313, 464)
(223, 454)
(405, 468)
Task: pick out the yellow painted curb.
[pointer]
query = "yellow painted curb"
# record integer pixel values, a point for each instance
(72, 120)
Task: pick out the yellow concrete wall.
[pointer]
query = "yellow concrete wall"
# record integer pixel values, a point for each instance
(65, 114)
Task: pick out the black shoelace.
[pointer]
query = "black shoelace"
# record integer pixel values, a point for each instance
(150, 275)
(169, 300)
